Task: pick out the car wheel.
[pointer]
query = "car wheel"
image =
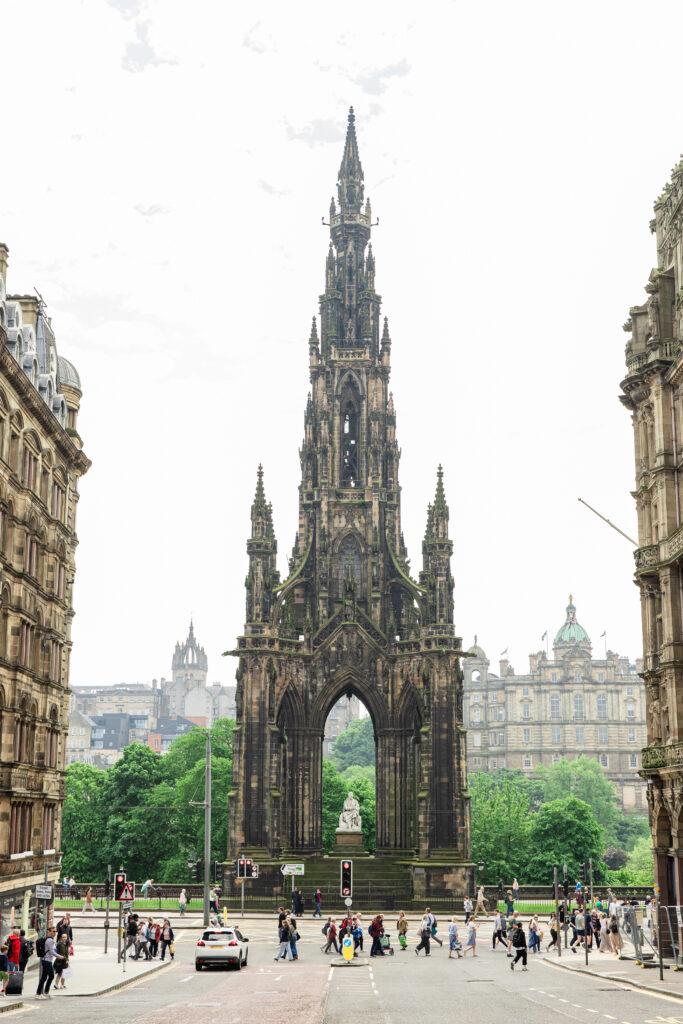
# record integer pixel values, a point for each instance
(239, 963)
(246, 960)
(197, 966)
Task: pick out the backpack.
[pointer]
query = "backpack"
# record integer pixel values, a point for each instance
(40, 946)
(369, 929)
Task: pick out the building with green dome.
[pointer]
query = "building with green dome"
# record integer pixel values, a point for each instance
(565, 706)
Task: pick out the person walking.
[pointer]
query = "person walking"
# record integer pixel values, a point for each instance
(153, 936)
(293, 936)
(580, 930)
(65, 926)
(357, 934)
(552, 925)
(467, 905)
(131, 932)
(515, 890)
(482, 903)
(182, 902)
(88, 905)
(425, 933)
(13, 950)
(519, 942)
(453, 944)
(285, 950)
(4, 968)
(605, 941)
(510, 929)
(167, 940)
(432, 925)
(317, 900)
(25, 950)
(615, 936)
(501, 888)
(331, 936)
(499, 930)
(61, 963)
(509, 903)
(534, 934)
(213, 899)
(47, 971)
(402, 929)
(376, 930)
(471, 941)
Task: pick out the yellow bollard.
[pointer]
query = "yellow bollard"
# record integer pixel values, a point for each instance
(347, 947)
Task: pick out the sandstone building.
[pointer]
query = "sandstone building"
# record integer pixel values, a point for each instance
(653, 393)
(40, 464)
(349, 618)
(567, 705)
(339, 719)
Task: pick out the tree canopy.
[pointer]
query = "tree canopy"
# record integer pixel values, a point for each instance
(355, 745)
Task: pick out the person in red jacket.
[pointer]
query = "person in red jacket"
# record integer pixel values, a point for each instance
(14, 944)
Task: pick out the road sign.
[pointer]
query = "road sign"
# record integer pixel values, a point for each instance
(347, 948)
(348, 901)
(293, 869)
(44, 892)
(127, 892)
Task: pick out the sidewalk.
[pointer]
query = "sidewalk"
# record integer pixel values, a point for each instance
(626, 971)
(94, 974)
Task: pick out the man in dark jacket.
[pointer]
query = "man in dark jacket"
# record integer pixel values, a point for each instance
(25, 950)
(376, 930)
(519, 943)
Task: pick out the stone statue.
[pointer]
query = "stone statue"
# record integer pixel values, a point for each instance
(349, 819)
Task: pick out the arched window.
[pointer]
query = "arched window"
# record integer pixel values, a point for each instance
(602, 705)
(350, 564)
(577, 676)
(349, 473)
(578, 705)
(555, 706)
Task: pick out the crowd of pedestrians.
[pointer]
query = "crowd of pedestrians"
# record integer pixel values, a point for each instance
(148, 937)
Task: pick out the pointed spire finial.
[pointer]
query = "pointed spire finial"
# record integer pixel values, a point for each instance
(386, 339)
(350, 182)
(313, 340)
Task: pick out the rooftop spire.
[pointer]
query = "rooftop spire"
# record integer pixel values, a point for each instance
(260, 496)
(440, 499)
(350, 183)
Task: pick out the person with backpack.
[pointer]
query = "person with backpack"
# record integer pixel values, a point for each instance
(293, 936)
(47, 951)
(519, 942)
(357, 933)
(425, 934)
(331, 936)
(317, 899)
(25, 950)
(432, 925)
(13, 949)
(376, 930)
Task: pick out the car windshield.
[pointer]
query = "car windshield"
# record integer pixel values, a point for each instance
(216, 936)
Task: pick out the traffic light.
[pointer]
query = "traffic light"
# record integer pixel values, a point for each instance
(119, 883)
(239, 867)
(248, 868)
(584, 873)
(346, 878)
(217, 872)
(565, 887)
(107, 887)
(198, 870)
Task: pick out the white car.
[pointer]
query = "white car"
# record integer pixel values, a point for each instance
(221, 946)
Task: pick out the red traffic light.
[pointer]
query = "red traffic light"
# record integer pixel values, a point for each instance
(346, 876)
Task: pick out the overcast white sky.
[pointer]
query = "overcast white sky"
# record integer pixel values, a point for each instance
(165, 170)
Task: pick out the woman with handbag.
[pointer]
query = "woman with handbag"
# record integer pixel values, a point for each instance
(62, 960)
(402, 929)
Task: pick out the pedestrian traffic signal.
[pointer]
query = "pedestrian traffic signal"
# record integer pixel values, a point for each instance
(346, 878)
(584, 874)
(565, 887)
(217, 872)
(119, 885)
(198, 870)
(107, 887)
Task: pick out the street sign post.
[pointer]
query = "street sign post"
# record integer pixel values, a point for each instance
(293, 869)
(126, 893)
(44, 892)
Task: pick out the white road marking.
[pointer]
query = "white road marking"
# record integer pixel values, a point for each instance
(609, 1016)
(188, 978)
(329, 976)
(279, 977)
(566, 1001)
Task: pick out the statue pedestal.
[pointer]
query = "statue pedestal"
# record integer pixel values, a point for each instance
(348, 844)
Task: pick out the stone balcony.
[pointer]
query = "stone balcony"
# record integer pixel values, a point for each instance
(662, 756)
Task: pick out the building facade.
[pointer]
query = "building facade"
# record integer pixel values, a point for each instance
(41, 461)
(349, 619)
(567, 705)
(339, 719)
(653, 394)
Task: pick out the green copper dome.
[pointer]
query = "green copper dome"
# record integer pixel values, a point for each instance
(571, 632)
(477, 651)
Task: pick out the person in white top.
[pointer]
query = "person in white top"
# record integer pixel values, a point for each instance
(453, 939)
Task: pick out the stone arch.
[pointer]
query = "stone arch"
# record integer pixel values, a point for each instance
(661, 828)
(348, 681)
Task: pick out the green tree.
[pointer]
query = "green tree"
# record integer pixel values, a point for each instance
(584, 779)
(334, 794)
(356, 745)
(83, 819)
(357, 771)
(499, 822)
(563, 830)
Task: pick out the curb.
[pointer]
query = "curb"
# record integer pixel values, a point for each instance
(618, 980)
(8, 1007)
(119, 985)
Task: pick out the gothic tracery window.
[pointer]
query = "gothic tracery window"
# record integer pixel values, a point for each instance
(350, 564)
